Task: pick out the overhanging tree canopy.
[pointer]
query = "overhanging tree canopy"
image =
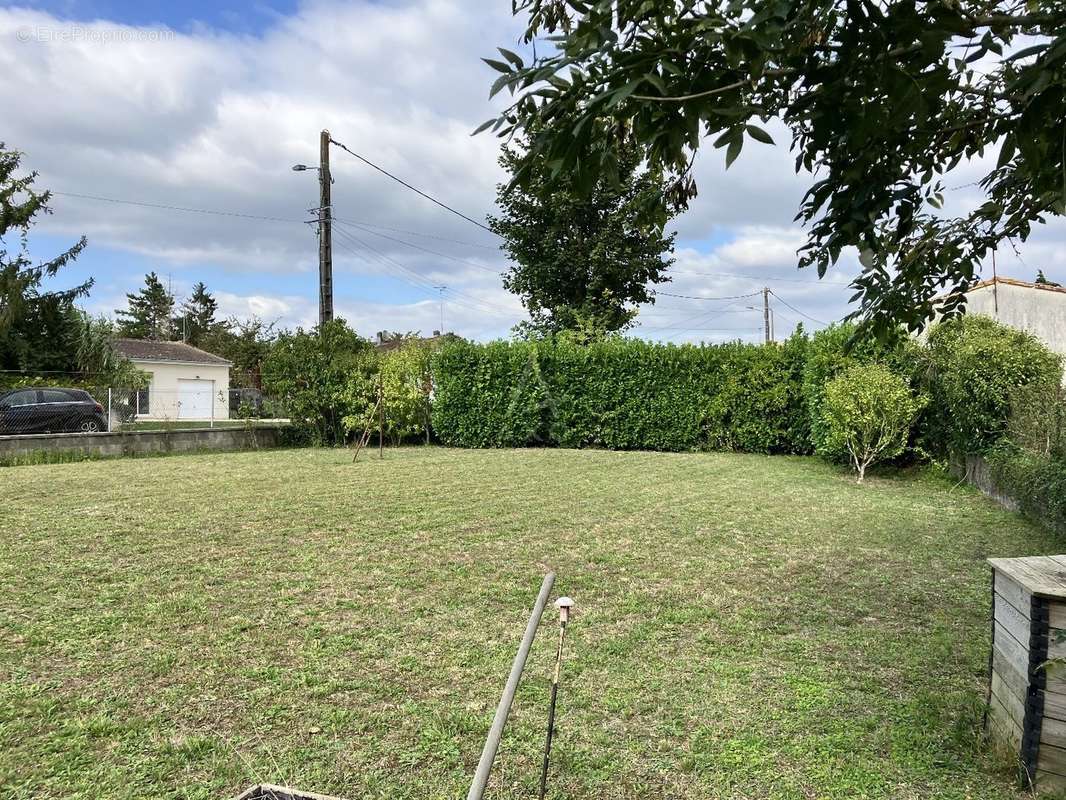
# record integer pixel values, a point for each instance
(881, 98)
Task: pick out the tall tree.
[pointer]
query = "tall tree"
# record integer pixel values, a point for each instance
(582, 261)
(38, 327)
(149, 312)
(197, 315)
(881, 99)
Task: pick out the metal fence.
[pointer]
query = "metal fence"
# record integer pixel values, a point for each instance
(42, 409)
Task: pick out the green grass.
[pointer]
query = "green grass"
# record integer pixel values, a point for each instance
(748, 627)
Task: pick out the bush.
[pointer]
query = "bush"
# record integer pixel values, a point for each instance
(867, 413)
(1035, 480)
(621, 394)
(835, 349)
(321, 377)
(977, 365)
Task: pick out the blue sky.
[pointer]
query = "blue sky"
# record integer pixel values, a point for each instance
(207, 106)
(187, 15)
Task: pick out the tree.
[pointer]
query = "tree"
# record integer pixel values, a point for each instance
(1041, 279)
(197, 315)
(246, 343)
(149, 312)
(881, 99)
(868, 413)
(38, 328)
(321, 376)
(582, 261)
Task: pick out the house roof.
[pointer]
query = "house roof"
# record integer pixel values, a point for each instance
(1043, 287)
(178, 352)
(395, 344)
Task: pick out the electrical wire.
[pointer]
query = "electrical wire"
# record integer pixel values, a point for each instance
(467, 301)
(694, 297)
(243, 215)
(174, 208)
(402, 182)
(420, 247)
(801, 313)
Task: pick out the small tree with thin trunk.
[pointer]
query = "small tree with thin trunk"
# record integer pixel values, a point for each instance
(868, 413)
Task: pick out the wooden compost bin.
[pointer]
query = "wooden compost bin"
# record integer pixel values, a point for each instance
(1027, 702)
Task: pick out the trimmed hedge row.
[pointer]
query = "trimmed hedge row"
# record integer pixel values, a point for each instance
(623, 394)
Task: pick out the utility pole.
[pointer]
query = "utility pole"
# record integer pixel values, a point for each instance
(325, 234)
(441, 289)
(766, 313)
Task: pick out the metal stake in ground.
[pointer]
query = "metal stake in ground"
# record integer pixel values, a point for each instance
(564, 604)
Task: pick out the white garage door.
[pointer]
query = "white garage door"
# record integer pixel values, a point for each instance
(194, 399)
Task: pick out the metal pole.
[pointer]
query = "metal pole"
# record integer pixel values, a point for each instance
(109, 409)
(766, 312)
(564, 604)
(325, 233)
(381, 417)
(492, 742)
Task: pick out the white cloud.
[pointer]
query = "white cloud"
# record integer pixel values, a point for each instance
(212, 120)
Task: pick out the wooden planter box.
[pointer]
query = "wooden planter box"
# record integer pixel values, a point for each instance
(1027, 701)
(267, 791)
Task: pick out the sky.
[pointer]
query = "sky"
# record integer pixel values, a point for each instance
(207, 105)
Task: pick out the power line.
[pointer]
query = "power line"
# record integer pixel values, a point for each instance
(468, 301)
(420, 247)
(244, 215)
(694, 297)
(465, 242)
(402, 182)
(801, 313)
(175, 208)
(816, 281)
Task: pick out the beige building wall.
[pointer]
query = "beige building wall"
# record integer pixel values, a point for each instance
(1041, 312)
(164, 392)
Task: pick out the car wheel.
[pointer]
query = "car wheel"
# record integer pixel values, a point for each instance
(89, 426)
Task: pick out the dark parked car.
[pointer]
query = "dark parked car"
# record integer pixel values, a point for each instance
(50, 411)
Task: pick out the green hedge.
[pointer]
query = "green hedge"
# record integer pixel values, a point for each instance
(975, 365)
(1035, 480)
(622, 394)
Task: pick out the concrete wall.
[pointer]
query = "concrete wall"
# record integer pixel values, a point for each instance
(163, 393)
(1041, 312)
(141, 442)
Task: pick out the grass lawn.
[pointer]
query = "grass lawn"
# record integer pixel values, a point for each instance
(749, 627)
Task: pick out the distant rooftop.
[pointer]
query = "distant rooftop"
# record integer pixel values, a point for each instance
(1044, 287)
(141, 350)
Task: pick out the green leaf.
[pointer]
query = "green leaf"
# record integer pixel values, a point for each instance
(758, 134)
(499, 66)
(512, 57)
(733, 151)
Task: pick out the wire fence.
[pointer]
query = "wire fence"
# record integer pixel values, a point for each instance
(196, 404)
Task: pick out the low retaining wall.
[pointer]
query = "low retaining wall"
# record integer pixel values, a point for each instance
(129, 443)
(976, 472)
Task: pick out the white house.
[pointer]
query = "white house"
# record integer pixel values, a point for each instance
(187, 383)
(1038, 308)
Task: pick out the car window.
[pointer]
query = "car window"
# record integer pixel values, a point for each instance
(55, 396)
(23, 398)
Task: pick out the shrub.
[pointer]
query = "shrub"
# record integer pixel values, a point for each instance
(976, 365)
(838, 347)
(1037, 419)
(621, 394)
(867, 413)
(321, 376)
(1036, 481)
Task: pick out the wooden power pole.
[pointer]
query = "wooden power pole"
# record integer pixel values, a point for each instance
(766, 313)
(325, 234)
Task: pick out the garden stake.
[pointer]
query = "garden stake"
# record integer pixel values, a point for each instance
(564, 604)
